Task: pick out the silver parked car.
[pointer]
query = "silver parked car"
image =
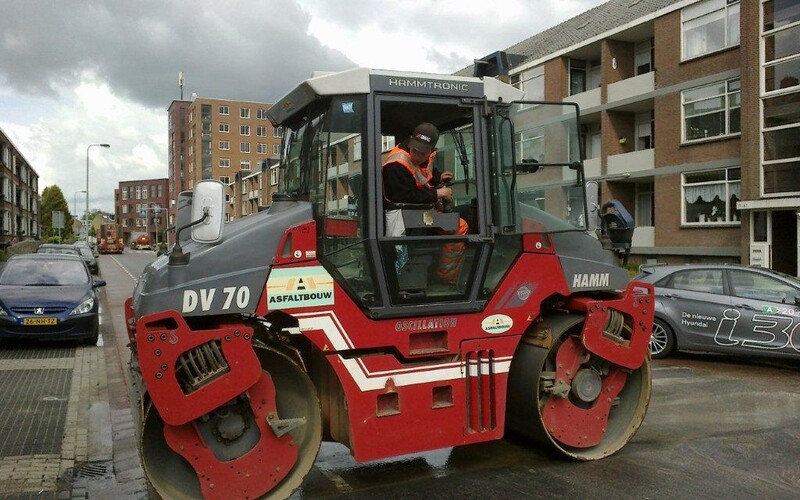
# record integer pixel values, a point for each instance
(724, 309)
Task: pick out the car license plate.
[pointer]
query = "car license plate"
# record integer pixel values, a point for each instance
(39, 321)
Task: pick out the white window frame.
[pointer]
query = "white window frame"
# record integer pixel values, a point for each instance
(261, 114)
(276, 149)
(224, 163)
(273, 176)
(223, 110)
(244, 165)
(529, 80)
(727, 95)
(244, 147)
(244, 130)
(779, 94)
(261, 148)
(277, 132)
(729, 187)
(244, 113)
(225, 179)
(708, 9)
(261, 131)
(224, 145)
(224, 128)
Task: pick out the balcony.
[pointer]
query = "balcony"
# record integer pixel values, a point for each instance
(644, 236)
(586, 100)
(632, 88)
(636, 161)
(334, 172)
(591, 168)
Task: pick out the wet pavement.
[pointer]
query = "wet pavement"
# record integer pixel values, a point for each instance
(715, 428)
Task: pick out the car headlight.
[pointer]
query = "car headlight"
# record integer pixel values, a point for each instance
(3, 312)
(85, 307)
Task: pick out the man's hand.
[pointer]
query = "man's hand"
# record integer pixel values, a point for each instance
(445, 193)
(446, 176)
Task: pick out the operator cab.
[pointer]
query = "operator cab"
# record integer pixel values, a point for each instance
(516, 169)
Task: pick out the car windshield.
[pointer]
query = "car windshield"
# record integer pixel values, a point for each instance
(86, 252)
(37, 272)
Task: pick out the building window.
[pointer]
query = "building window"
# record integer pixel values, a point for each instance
(709, 26)
(224, 128)
(244, 147)
(530, 145)
(124, 194)
(273, 176)
(712, 111)
(277, 132)
(644, 204)
(223, 110)
(224, 162)
(244, 113)
(644, 56)
(531, 82)
(244, 165)
(224, 145)
(581, 77)
(261, 148)
(645, 124)
(224, 179)
(780, 122)
(261, 114)
(275, 149)
(710, 197)
(244, 129)
(261, 131)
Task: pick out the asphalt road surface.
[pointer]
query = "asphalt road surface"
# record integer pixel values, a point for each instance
(716, 427)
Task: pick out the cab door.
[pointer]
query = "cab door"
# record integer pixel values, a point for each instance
(416, 242)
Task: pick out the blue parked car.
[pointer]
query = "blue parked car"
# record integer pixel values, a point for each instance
(48, 297)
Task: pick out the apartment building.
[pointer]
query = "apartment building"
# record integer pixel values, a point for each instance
(140, 207)
(177, 114)
(224, 140)
(255, 188)
(663, 86)
(20, 218)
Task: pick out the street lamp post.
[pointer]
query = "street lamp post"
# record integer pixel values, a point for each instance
(156, 216)
(87, 184)
(75, 201)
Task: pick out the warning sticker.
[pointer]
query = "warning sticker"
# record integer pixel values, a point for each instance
(299, 287)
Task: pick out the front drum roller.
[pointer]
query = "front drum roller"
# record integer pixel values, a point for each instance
(571, 399)
(259, 445)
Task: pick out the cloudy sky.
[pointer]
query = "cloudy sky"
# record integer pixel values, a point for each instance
(77, 72)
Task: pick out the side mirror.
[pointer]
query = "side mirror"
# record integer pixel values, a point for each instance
(98, 283)
(208, 201)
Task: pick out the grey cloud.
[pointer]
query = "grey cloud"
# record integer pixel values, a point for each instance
(234, 49)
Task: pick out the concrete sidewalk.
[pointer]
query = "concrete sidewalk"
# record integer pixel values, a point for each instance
(116, 424)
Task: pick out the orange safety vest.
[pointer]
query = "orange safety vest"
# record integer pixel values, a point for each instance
(422, 176)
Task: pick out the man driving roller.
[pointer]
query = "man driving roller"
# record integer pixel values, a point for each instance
(409, 176)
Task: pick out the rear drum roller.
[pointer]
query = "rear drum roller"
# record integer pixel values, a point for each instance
(573, 400)
(259, 445)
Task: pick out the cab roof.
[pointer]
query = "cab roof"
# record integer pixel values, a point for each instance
(365, 81)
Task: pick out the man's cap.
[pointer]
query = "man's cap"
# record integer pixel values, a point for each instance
(424, 137)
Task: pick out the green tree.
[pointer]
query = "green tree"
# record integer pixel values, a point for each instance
(53, 200)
